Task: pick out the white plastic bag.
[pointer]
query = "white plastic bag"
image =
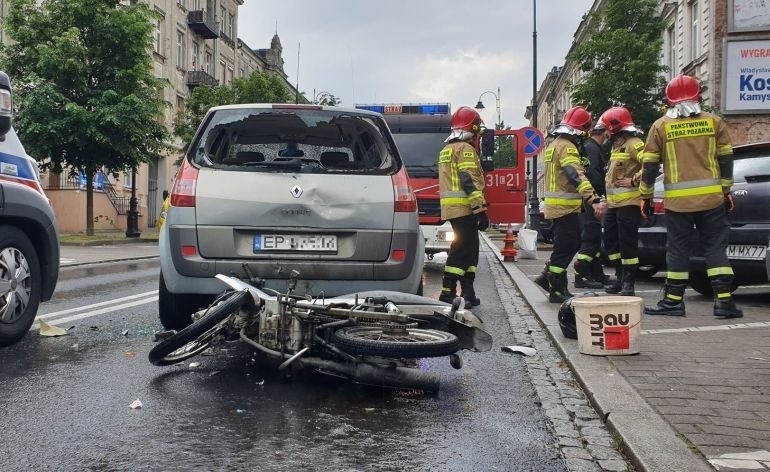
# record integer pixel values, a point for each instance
(527, 244)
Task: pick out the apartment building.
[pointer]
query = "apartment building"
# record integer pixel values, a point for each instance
(724, 43)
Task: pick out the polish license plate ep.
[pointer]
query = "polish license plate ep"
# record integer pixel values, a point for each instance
(745, 251)
(300, 243)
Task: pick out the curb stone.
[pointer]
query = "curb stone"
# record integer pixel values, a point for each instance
(583, 442)
(648, 440)
(110, 242)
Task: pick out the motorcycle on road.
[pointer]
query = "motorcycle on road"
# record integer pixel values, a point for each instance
(370, 337)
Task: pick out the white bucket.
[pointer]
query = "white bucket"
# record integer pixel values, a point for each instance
(608, 326)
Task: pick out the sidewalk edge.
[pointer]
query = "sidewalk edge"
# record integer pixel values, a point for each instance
(107, 261)
(648, 439)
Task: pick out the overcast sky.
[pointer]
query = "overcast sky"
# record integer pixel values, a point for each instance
(398, 51)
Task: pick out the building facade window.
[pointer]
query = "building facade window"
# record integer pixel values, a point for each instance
(222, 68)
(196, 5)
(242, 72)
(208, 63)
(179, 104)
(222, 20)
(695, 30)
(671, 51)
(231, 25)
(230, 76)
(157, 35)
(196, 52)
(181, 52)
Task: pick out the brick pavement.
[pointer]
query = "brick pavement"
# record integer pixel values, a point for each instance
(711, 380)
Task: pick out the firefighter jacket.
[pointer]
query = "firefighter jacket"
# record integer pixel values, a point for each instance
(625, 162)
(461, 181)
(565, 181)
(697, 161)
(595, 165)
(163, 214)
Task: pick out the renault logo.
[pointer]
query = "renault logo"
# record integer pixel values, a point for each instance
(296, 191)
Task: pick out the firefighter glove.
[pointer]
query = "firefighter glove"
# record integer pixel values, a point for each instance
(729, 203)
(648, 208)
(483, 221)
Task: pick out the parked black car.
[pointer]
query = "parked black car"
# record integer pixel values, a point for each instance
(749, 230)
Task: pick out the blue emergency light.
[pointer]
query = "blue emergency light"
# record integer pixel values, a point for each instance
(407, 109)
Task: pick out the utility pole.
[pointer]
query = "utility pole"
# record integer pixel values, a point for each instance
(534, 202)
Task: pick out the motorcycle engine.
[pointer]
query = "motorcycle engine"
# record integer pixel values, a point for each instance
(272, 336)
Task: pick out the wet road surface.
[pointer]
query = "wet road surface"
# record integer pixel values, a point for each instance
(65, 401)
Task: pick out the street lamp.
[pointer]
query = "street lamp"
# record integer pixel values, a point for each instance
(480, 105)
(534, 202)
(132, 216)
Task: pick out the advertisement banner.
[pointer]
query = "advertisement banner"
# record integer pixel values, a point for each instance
(749, 15)
(746, 76)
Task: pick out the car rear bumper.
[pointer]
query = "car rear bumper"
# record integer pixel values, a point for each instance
(435, 237)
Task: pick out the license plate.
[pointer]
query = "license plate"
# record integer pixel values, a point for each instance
(745, 251)
(289, 242)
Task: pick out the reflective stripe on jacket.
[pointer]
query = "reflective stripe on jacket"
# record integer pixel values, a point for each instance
(624, 163)
(690, 150)
(562, 196)
(461, 181)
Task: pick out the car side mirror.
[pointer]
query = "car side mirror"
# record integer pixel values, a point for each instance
(488, 143)
(6, 105)
(488, 165)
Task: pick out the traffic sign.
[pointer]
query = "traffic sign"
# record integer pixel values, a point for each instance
(533, 141)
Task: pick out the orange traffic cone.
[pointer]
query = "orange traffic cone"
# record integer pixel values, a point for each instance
(509, 252)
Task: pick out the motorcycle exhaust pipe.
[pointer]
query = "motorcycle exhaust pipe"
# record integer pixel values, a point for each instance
(377, 375)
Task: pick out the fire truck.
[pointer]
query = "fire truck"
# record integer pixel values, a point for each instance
(419, 131)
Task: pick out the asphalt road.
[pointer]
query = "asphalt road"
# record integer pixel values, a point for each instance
(65, 400)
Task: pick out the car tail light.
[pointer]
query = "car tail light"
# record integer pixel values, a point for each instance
(183, 191)
(406, 202)
(189, 251)
(398, 255)
(659, 206)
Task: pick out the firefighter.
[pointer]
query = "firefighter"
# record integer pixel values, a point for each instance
(567, 189)
(461, 187)
(621, 224)
(694, 148)
(588, 267)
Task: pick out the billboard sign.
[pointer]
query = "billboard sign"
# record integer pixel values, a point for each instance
(749, 15)
(746, 76)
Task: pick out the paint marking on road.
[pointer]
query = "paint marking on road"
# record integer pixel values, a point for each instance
(700, 329)
(96, 305)
(101, 311)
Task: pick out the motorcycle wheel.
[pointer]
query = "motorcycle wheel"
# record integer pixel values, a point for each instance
(410, 343)
(197, 337)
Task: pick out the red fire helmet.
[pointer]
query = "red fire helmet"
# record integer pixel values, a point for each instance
(577, 118)
(617, 119)
(467, 119)
(682, 88)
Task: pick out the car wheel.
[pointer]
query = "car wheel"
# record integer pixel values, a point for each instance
(701, 284)
(20, 284)
(647, 271)
(175, 309)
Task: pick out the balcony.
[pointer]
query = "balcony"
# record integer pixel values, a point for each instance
(203, 23)
(200, 77)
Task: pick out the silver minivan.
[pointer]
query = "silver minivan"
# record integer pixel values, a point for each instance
(265, 190)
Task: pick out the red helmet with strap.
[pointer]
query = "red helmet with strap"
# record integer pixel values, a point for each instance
(682, 88)
(618, 119)
(467, 119)
(577, 118)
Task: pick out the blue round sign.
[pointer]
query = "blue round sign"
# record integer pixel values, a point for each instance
(533, 141)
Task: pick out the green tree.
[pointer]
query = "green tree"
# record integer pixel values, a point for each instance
(85, 90)
(327, 99)
(259, 87)
(505, 152)
(621, 58)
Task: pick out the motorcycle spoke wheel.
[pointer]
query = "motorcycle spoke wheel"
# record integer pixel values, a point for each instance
(397, 343)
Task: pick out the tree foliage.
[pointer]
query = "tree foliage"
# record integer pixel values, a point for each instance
(259, 87)
(327, 99)
(621, 58)
(84, 85)
(505, 152)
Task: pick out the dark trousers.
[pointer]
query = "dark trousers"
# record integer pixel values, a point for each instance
(591, 236)
(621, 234)
(464, 251)
(712, 228)
(566, 241)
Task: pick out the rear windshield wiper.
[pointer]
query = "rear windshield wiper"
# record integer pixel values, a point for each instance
(295, 163)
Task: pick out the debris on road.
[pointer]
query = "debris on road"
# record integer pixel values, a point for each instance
(93, 328)
(216, 372)
(261, 382)
(194, 365)
(125, 333)
(130, 354)
(161, 335)
(525, 350)
(48, 330)
(240, 411)
(135, 405)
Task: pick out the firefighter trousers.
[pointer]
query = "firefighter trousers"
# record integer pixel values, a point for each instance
(712, 229)
(591, 237)
(566, 242)
(464, 251)
(621, 234)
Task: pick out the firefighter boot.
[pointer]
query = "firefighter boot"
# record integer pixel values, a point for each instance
(627, 286)
(672, 303)
(448, 287)
(583, 277)
(724, 305)
(542, 279)
(468, 292)
(557, 290)
(597, 271)
(616, 285)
